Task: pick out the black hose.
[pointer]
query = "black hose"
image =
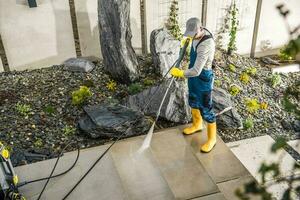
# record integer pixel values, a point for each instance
(57, 175)
(95, 163)
(55, 165)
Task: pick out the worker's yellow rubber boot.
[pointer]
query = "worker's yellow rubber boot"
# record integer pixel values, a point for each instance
(197, 123)
(212, 137)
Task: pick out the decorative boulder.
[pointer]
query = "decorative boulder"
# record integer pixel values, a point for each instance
(78, 65)
(113, 121)
(175, 107)
(164, 50)
(230, 119)
(115, 38)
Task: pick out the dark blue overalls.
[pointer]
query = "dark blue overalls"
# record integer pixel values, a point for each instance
(200, 88)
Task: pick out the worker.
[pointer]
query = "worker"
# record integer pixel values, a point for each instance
(200, 80)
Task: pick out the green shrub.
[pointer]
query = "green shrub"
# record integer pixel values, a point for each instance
(111, 85)
(49, 110)
(81, 95)
(252, 105)
(264, 105)
(274, 79)
(149, 82)
(251, 71)
(234, 90)
(232, 67)
(218, 83)
(23, 109)
(248, 123)
(38, 142)
(226, 79)
(283, 55)
(245, 78)
(135, 88)
(172, 23)
(69, 130)
(233, 28)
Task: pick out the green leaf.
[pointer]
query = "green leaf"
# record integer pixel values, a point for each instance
(252, 187)
(286, 195)
(279, 143)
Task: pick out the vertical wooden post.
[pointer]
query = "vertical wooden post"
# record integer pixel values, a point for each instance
(75, 28)
(144, 26)
(3, 57)
(204, 13)
(256, 27)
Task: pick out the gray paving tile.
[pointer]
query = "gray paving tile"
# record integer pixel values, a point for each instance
(181, 169)
(228, 188)
(217, 196)
(102, 183)
(139, 173)
(221, 164)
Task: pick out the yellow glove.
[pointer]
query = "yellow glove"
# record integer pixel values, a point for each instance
(182, 42)
(177, 72)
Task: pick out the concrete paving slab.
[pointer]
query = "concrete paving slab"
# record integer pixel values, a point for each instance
(254, 151)
(220, 163)
(173, 168)
(181, 169)
(295, 144)
(228, 188)
(102, 183)
(217, 196)
(139, 173)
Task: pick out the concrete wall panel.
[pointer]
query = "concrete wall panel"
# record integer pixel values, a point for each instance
(36, 37)
(87, 22)
(216, 12)
(272, 28)
(135, 24)
(88, 28)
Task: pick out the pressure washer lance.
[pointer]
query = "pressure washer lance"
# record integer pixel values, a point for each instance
(8, 178)
(148, 139)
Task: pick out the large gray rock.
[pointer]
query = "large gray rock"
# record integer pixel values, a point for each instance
(112, 121)
(175, 107)
(230, 119)
(78, 65)
(164, 50)
(115, 37)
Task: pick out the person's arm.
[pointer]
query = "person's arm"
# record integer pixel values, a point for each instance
(203, 53)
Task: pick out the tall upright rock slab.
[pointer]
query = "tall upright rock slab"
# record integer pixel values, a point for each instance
(164, 50)
(115, 38)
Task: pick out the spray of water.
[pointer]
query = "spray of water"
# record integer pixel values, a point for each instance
(147, 140)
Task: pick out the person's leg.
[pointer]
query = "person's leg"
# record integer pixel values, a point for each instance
(209, 117)
(197, 123)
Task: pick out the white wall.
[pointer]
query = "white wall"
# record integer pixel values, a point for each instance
(157, 13)
(36, 37)
(88, 28)
(272, 27)
(87, 23)
(246, 16)
(135, 24)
